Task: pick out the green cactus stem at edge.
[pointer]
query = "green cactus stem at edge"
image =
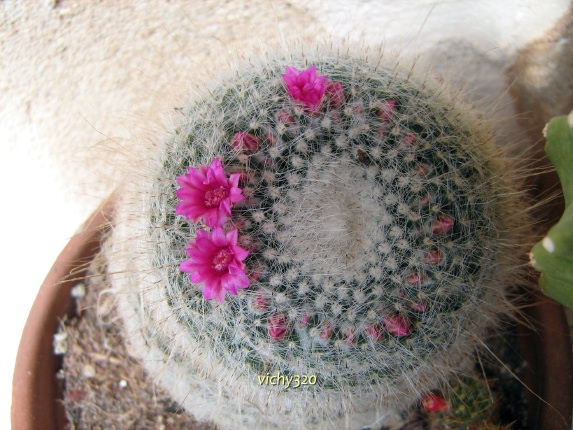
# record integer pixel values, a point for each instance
(553, 255)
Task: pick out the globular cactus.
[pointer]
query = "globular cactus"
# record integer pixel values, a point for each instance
(470, 406)
(344, 227)
(553, 255)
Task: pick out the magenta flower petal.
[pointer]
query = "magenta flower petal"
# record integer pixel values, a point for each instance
(305, 87)
(207, 194)
(216, 261)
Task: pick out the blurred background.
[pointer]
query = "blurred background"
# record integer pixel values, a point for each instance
(81, 83)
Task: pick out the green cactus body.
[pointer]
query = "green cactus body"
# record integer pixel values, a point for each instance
(382, 229)
(471, 406)
(553, 256)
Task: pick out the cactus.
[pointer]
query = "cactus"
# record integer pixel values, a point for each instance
(470, 406)
(553, 256)
(372, 229)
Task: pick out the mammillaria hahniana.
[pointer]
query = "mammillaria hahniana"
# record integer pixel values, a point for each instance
(355, 227)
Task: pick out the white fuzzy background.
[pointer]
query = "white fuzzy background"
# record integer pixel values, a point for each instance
(79, 79)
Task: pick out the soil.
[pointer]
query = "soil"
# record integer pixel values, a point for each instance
(104, 387)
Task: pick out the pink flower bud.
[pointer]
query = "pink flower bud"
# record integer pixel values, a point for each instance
(416, 279)
(326, 331)
(285, 118)
(442, 224)
(271, 138)
(387, 111)
(277, 326)
(304, 319)
(398, 325)
(422, 170)
(433, 257)
(261, 302)
(358, 108)
(424, 200)
(408, 140)
(434, 402)
(256, 272)
(335, 94)
(418, 307)
(245, 142)
(374, 332)
(335, 117)
(349, 336)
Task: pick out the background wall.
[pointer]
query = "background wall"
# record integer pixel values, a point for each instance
(82, 82)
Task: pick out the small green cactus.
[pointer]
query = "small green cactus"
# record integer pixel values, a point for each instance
(470, 405)
(381, 226)
(553, 256)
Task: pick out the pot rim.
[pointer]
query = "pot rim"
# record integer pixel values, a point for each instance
(35, 400)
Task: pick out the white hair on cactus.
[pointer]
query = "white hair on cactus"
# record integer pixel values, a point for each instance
(378, 229)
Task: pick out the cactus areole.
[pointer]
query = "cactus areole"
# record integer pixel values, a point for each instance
(322, 241)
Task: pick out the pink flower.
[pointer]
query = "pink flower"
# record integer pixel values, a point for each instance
(426, 200)
(277, 326)
(207, 193)
(433, 402)
(358, 108)
(326, 332)
(305, 87)
(335, 94)
(349, 336)
(398, 325)
(418, 306)
(433, 257)
(422, 170)
(335, 117)
(408, 140)
(387, 111)
(216, 262)
(271, 138)
(285, 118)
(304, 319)
(442, 224)
(256, 272)
(261, 302)
(416, 279)
(245, 142)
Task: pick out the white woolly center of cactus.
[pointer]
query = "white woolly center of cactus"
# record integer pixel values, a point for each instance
(336, 223)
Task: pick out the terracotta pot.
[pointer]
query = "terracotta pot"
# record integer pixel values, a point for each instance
(35, 395)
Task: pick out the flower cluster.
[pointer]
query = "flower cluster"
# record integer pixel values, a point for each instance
(216, 260)
(207, 195)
